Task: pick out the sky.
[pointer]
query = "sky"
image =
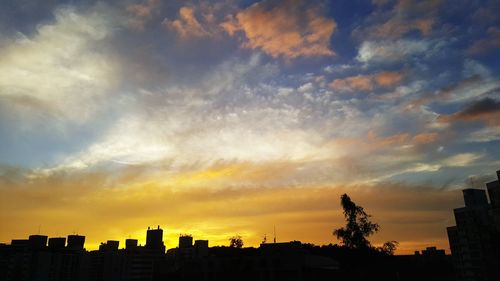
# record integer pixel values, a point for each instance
(223, 118)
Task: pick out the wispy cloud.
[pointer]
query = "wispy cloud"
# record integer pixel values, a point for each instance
(486, 110)
(391, 51)
(59, 69)
(404, 17)
(488, 44)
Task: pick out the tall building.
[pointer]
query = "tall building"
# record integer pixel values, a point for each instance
(154, 239)
(75, 242)
(475, 240)
(494, 194)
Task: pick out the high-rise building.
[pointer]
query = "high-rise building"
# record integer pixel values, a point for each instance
(154, 239)
(185, 241)
(130, 244)
(76, 242)
(57, 243)
(475, 241)
(37, 241)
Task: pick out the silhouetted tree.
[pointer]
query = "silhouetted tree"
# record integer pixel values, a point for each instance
(358, 225)
(236, 242)
(389, 247)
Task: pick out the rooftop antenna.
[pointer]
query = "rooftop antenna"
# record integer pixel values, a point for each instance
(39, 228)
(274, 233)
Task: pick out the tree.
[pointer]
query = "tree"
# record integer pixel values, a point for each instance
(389, 247)
(236, 242)
(358, 226)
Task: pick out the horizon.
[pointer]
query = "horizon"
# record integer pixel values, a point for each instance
(222, 118)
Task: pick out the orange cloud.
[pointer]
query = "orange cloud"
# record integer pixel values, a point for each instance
(290, 29)
(187, 25)
(425, 138)
(141, 13)
(366, 82)
(143, 10)
(396, 139)
(353, 83)
(388, 78)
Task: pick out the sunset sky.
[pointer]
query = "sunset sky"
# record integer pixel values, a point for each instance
(222, 118)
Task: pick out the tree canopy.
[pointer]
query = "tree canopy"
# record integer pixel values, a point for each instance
(236, 242)
(358, 225)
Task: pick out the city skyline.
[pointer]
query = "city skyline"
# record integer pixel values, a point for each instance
(222, 118)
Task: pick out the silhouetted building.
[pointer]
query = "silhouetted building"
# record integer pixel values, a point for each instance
(431, 252)
(57, 243)
(76, 242)
(201, 248)
(475, 240)
(494, 194)
(185, 241)
(130, 244)
(38, 242)
(32, 259)
(431, 264)
(154, 239)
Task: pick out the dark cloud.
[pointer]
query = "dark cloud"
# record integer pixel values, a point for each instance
(488, 44)
(486, 110)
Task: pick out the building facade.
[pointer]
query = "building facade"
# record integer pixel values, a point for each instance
(475, 239)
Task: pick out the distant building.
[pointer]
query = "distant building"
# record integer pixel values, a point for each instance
(475, 240)
(431, 264)
(431, 252)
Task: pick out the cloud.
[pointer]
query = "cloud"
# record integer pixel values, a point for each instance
(141, 13)
(143, 10)
(484, 135)
(353, 83)
(486, 110)
(288, 29)
(187, 25)
(391, 51)
(396, 28)
(388, 78)
(405, 17)
(425, 138)
(366, 82)
(192, 126)
(461, 160)
(63, 68)
(477, 84)
(485, 45)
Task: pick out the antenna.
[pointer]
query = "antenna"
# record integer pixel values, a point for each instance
(274, 233)
(39, 228)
